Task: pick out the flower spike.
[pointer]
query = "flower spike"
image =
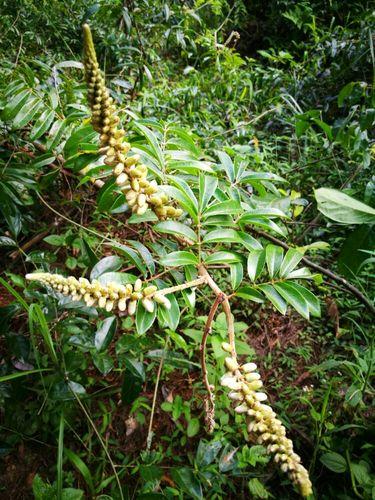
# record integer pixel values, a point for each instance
(245, 384)
(112, 296)
(130, 173)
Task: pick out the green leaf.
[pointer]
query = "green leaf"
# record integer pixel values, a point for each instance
(103, 362)
(294, 298)
(274, 297)
(177, 228)
(12, 376)
(55, 239)
(5, 241)
(193, 427)
(134, 378)
(229, 207)
(227, 164)
(181, 258)
(132, 255)
(207, 187)
(82, 468)
(223, 258)
(207, 452)
(154, 144)
(255, 263)
(274, 257)
(27, 113)
(256, 488)
(144, 319)
(340, 207)
(291, 260)
(104, 334)
(334, 462)
(312, 302)
(171, 316)
(105, 265)
(42, 124)
(250, 293)
(222, 236)
(186, 480)
(236, 274)
(183, 199)
(15, 104)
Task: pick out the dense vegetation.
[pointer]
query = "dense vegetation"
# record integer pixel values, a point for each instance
(182, 238)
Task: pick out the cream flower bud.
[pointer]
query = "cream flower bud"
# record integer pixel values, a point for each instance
(148, 305)
(249, 367)
(132, 307)
(250, 377)
(137, 285)
(226, 347)
(231, 364)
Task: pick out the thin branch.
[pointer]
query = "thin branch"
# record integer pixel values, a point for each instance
(150, 432)
(210, 401)
(335, 277)
(226, 306)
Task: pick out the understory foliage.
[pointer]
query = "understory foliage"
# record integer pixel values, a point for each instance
(187, 231)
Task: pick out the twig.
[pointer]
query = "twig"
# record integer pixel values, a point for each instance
(210, 401)
(226, 306)
(335, 277)
(150, 433)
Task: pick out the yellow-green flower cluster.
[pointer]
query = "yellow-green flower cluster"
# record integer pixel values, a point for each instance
(130, 173)
(110, 296)
(246, 390)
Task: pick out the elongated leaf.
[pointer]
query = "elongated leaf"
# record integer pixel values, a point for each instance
(144, 319)
(145, 254)
(27, 112)
(236, 274)
(183, 199)
(340, 207)
(82, 468)
(207, 187)
(176, 228)
(274, 258)
(12, 376)
(181, 258)
(154, 144)
(250, 293)
(291, 260)
(132, 255)
(227, 164)
(255, 263)
(15, 104)
(229, 207)
(106, 265)
(170, 316)
(134, 377)
(294, 298)
(223, 258)
(42, 124)
(104, 334)
(222, 236)
(274, 297)
(312, 302)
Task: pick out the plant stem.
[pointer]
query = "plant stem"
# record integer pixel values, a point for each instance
(226, 306)
(150, 433)
(210, 402)
(183, 286)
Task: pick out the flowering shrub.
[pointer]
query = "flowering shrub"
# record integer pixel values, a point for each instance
(221, 207)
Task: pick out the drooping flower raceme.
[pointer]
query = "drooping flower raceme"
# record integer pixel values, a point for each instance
(109, 296)
(130, 173)
(246, 391)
